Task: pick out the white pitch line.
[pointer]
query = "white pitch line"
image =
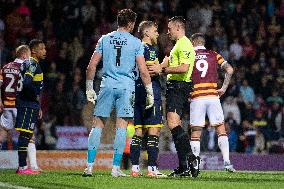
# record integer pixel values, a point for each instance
(7, 185)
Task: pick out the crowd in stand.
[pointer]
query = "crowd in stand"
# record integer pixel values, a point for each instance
(249, 34)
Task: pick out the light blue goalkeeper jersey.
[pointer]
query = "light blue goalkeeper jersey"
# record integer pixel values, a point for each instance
(119, 51)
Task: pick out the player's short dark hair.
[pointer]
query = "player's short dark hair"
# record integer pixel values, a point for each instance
(34, 43)
(178, 19)
(145, 25)
(126, 16)
(21, 49)
(198, 36)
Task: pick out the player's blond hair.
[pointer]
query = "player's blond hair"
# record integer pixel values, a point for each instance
(20, 50)
(145, 25)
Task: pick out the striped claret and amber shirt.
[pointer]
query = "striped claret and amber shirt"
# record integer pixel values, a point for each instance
(10, 77)
(205, 76)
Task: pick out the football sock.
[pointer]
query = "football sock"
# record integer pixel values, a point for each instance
(23, 142)
(119, 145)
(223, 144)
(195, 146)
(135, 168)
(152, 168)
(152, 149)
(93, 145)
(135, 148)
(183, 147)
(32, 154)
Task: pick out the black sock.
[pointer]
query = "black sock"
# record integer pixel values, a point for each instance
(152, 149)
(135, 148)
(182, 145)
(23, 142)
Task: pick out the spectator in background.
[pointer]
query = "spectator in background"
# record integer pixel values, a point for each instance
(249, 50)
(231, 109)
(270, 8)
(75, 51)
(247, 92)
(88, 12)
(52, 76)
(57, 101)
(279, 122)
(49, 131)
(248, 136)
(259, 142)
(232, 136)
(275, 98)
(76, 98)
(2, 26)
(23, 9)
(264, 88)
(261, 124)
(254, 75)
(271, 117)
(236, 50)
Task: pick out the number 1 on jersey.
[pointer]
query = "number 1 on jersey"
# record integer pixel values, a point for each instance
(118, 54)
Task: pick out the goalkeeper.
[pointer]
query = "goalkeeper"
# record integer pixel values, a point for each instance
(119, 51)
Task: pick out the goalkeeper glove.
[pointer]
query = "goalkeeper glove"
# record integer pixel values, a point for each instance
(91, 94)
(150, 96)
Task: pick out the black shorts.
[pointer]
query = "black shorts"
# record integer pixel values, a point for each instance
(177, 96)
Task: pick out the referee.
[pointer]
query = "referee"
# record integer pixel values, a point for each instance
(178, 68)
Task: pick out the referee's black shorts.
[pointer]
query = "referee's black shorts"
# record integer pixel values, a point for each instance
(177, 96)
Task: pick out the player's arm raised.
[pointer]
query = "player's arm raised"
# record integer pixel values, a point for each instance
(90, 74)
(146, 79)
(228, 69)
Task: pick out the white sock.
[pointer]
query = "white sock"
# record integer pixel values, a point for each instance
(90, 165)
(135, 168)
(223, 144)
(195, 147)
(23, 168)
(32, 155)
(115, 168)
(152, 168)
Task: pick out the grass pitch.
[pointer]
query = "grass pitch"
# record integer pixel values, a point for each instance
(103, 180)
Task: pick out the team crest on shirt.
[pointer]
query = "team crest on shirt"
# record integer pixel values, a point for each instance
(186, 53)
(152, 55)
(32, 68)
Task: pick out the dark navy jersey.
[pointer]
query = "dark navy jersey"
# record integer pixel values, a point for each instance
(32, 84)
(151, 57)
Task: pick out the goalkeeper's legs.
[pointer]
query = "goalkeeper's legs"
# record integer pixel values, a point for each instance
(118, 146)
(93, 144)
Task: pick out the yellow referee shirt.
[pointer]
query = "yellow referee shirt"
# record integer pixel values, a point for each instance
(182, 53)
